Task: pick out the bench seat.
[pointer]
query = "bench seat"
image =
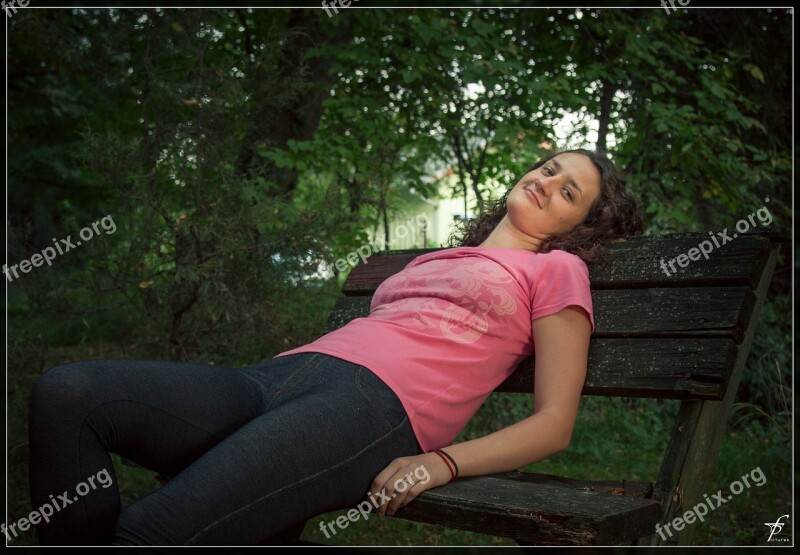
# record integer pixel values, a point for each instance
(541, 509)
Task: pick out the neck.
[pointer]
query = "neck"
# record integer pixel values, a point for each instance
(504, 235)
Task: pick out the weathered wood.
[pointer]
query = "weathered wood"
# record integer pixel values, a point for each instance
(614, 487)
(657, 368)
(672, 312)
(663, 313)
(693, 448)
(667, 368)
(544, 512)
(635, 263)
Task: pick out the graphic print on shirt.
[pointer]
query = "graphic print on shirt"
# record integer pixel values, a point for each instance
(452, 296)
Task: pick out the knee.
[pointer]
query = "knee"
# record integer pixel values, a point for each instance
(66, 385)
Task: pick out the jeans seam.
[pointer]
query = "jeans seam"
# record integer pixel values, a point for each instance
(298, 483)
(316, 359)
(258, 384)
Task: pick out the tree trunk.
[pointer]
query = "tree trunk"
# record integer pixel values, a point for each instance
(273, 126)
(605, 113)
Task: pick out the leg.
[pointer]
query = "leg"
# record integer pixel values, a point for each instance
(162, 415)
(323, 437)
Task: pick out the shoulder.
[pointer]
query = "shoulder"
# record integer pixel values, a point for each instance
(562, 280)
(558, 259)
(558, 272)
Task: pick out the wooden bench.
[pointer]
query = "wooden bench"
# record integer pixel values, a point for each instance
(684, 336)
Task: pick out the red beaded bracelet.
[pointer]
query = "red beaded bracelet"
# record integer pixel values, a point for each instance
(452, 474)
(446, 462)
(452, 460)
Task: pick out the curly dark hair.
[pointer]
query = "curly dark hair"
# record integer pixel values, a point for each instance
(613, 216)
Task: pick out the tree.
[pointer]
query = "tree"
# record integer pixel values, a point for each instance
(300, 132)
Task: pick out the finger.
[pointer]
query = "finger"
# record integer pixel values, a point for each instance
(386, 495)
(378, 494)
(380, 500)
(402, 486)
(382, 479)
(412, 494)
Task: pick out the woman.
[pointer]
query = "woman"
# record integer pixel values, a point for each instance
(364, 412)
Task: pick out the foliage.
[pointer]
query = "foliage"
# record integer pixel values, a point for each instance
(298, 133)
(241, 152)
(765, 391)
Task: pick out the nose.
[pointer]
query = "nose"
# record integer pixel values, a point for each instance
(545, 184)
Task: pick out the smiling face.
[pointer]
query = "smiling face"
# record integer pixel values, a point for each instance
(552, 199)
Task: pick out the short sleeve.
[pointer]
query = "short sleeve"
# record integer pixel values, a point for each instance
(561, 280)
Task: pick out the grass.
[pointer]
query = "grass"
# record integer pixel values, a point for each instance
(614, 438)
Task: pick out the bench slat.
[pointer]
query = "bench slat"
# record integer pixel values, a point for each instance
(666, 312)
(643, 347)
(615, 487)
(536, 510)
(636, 263)
(667, 366)
(660, 368)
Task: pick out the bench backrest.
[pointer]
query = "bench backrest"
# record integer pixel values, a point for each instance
(658, 333)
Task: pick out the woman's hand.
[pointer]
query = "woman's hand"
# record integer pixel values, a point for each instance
(404, 479)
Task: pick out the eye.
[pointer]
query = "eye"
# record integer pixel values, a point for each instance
(567, 192)
(548, 170)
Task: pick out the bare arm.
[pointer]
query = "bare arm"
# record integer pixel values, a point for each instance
(562, 344)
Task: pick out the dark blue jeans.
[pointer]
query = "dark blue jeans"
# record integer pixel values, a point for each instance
(252, 451)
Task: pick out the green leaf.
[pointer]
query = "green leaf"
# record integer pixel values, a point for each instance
(755, 71)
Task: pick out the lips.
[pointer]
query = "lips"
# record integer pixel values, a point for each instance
(530, 191)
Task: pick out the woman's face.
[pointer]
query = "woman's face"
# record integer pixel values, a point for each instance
(555, 197)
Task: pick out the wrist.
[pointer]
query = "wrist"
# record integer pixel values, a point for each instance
(452, 461)
(447, 461)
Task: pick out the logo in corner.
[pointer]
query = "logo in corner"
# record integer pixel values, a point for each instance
(775, 528)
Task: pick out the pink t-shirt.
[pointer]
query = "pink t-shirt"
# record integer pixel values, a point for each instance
(452, 325)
